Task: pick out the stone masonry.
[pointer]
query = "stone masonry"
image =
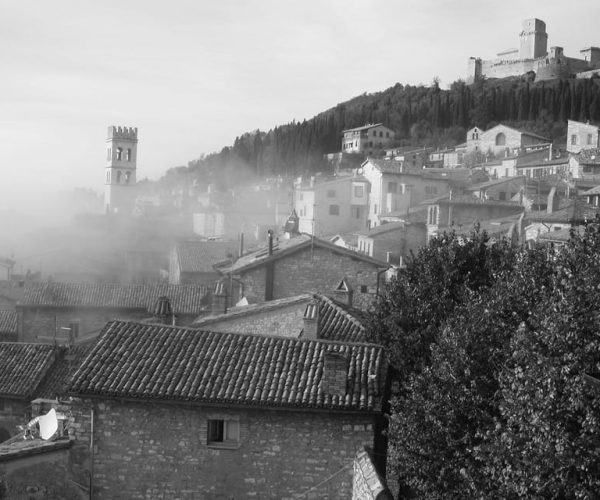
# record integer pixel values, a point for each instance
(160, 451)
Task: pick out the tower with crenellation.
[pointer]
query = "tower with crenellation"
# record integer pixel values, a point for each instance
(120, 175)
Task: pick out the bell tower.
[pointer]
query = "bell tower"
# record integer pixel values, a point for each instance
(120, 175)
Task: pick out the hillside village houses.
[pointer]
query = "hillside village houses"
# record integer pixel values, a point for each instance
(252, 320)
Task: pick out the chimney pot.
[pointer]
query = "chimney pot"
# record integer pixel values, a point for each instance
(311, 320)
(343, 293)
(219, 299)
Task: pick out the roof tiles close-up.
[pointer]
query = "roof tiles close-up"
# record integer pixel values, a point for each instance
(157, 362)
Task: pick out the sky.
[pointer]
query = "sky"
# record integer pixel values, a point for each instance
(194, 74)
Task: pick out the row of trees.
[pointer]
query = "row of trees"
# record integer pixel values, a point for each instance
(491, 344)
(418, 114)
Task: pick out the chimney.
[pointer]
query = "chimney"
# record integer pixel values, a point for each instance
(163, 311)
(219, 299)
(335, 373)
(241, 244)
(343, 293)
(270, 241)
(311, 320)
(550, 152)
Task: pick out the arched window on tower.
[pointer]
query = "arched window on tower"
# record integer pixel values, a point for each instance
(127, 177)
(119, 154)
(108, 154)
(128, 154)
(118, 176)
(500, 139)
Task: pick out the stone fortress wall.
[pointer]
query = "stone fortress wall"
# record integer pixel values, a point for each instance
(533, 56)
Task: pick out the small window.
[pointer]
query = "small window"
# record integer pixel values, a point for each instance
(334, 210)
(73, 331)
(502, 196)
(356, 212)
(359, 191)
(127, 177)
(387, 134)
(500, 139)
(375, 209)
(374, 133)
(364, 289)
(128, 154)
(573, 140)
(223, 432)
(118, 176)
(331, 193)
(108, 154)
(380, 134)
(589, 139)
(119, 154)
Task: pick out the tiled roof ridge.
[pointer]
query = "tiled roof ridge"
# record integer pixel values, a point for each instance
(343, 311)
(196, 331)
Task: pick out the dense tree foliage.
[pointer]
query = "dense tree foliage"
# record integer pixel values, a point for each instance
(419, 115)
(491, 351)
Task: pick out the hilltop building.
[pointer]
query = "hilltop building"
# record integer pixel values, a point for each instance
(366, 139)
(121, 164)
(502, 140)
(533, 57)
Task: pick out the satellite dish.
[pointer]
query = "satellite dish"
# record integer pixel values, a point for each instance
(48, 424)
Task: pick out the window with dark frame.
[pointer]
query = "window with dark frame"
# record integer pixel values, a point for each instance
(223, 432)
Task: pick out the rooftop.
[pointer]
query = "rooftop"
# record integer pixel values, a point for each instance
(185, 299)
(23, 368)
(162, 363)
(8, 321)
(201, 256)
(364, 127)
(284, 247)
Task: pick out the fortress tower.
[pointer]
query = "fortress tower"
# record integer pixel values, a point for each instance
(534, 39)
(121, 155)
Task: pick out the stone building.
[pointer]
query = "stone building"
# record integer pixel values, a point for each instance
(55, 311)
(392, 242)
(301, 264)
(120, 171)
(396, 186)
(332, 206)
(534, 57)
(314, 316)
(502, 140)
(222, 415)
(368, 139)
(581, 136)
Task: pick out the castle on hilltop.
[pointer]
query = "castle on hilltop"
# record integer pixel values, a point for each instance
(533, 57)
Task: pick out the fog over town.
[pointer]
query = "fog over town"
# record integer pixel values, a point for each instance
(299, 250)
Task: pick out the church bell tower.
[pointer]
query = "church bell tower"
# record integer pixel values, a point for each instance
(121, 157)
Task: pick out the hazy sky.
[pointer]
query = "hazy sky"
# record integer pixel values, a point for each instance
(192, 75)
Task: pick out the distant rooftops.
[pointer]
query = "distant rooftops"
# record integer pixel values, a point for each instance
(364, 127)
(185, 299)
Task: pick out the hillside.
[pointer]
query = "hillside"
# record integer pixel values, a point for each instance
(419, 115)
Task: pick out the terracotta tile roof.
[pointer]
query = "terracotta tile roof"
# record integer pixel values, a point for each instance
(576, 211)
(339, 322)
(56, 379)
(157, 362)
(383, 228)
(283, 248)
(594, 190)
(8, 321)
(23, 367)
(200, 256)
(185, 299)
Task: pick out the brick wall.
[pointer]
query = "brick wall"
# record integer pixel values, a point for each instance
(161, 451)
(318, 270)
(284, 322)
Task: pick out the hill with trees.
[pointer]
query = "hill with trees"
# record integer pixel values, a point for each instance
(419, 115)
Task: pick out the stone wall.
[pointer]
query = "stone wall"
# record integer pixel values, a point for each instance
(13, 412)
(317, 270)
(157, 451)
(283, 322)
(37, 322)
